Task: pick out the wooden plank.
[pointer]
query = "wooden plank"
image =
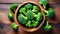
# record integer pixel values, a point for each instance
(15, 1)
(19, 1)
(4, 18)
(6, 6)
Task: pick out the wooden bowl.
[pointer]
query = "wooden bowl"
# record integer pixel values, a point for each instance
(25, 28)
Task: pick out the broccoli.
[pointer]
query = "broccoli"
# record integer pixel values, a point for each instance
(47, 27)
(35, 23)
(38, 16)
(10, 15)
(28, 6)
(44, 3)
(14, 26)
(49, 13)
(35, 9)
(30, 14)
(23, 10)
(13, 7)
(28, 24)
(22, 19)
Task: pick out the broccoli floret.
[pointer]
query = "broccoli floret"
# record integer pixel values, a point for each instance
(49, 13)
(10, 15)
(47, 27)
(44, 3)
(35, 23)
(13, 7)
(38, 16)
(23, 10)
(28, 6)
(22, 19)
(14, 26)
(30, 14)
(35, 9)
(28, 24)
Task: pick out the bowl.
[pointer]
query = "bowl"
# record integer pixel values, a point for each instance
(25, 28)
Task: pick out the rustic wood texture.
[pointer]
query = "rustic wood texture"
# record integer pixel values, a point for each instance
(5, 27)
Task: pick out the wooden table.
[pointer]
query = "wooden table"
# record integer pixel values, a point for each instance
(5, 27)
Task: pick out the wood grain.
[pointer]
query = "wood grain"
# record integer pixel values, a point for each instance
(5, 27)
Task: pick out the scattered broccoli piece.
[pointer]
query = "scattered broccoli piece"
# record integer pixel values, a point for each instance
(23, 10)
(13, 7)
(30, 14)
(49, 13)
(39, 16)
(28, 6)
(35, 9)
(28, 24)
(44, 3)
(14, 26)
(35, 23)
(22, 19)
(47, 27)
(10, 15)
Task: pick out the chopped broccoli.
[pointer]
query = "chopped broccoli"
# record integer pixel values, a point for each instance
(35, 23)
(49, 13)
(35, 9)
(13, 7)
(44, 3)
(22, 19)
(30, 14)
(23, 10)
(39, 16)
(47, 27)
(28, 6)
(28, 24)
(14, 26)
(10, 15)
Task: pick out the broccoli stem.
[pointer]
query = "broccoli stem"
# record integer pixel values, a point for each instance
(45, 11)
(44, 6)
(14, 10)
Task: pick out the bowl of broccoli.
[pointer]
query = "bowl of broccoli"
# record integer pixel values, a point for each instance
(29, 16)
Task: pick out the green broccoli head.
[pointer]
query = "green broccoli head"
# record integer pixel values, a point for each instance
(10, 15)
(44, 3)
(30, 14)
(22, 19)
(28, 6)
(35, 9)
(14, 26)
(49, 13)
(35, 23)
(13, 7)
(28, 24)
(47, 27)
(39, 16)
(23, 10)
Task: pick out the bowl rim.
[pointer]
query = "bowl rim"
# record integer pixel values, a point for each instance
(29, 29)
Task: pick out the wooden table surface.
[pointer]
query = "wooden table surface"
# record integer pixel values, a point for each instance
(5, 27)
